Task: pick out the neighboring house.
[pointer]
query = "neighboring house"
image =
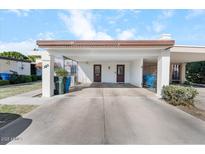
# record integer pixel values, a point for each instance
(120, 61)
(59, 62)
(9, 65)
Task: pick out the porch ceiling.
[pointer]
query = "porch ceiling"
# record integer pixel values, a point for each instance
(179, 57)
(107, 54)
(184, 54)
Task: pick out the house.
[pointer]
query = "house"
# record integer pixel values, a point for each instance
(10, 65)
(59, 62)
(120, 61)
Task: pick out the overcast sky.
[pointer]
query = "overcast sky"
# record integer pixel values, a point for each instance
(19, 29)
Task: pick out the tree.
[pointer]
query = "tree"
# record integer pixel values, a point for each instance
(14, 54)
(33, 58)
(195, 72)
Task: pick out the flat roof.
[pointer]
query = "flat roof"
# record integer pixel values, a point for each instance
(103, 43)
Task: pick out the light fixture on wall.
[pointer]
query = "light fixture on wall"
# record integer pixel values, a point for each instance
(22, 66)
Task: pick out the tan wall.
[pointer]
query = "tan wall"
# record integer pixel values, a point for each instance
(4, 65)
(150, 69)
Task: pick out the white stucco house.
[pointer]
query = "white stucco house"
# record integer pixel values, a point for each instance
(9, 65)
(120, 61)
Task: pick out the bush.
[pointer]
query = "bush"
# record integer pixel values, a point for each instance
(14, 79)
(28, 78)
(4, 82)
(61, 72)
(179, 95)
(21, 78)
(34, 77)
(187, 83)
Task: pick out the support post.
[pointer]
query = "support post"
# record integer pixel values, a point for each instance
(136, 72)
(163, 70)
(47, 75)
(140, 72)
(183, 73)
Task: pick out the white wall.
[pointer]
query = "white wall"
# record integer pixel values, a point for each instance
(47, 75)
(136, 72)
(85, 71)
(163, 70)
(7, 65)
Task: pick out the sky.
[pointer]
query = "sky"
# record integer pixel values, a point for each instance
(19, 29)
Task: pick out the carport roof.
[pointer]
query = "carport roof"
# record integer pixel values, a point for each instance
(104, 43)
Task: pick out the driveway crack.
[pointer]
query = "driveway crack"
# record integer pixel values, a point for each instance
(104, 118)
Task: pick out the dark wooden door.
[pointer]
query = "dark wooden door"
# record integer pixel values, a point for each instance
(120, 73)
(97, 73)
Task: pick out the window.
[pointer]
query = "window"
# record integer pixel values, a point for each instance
(175, 72)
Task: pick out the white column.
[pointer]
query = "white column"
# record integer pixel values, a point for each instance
(139, 72)
(47, 75)
(163, 70)
(136, 72)
(183, 73)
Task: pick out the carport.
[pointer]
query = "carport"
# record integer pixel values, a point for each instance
(109, 55)
(120, 61)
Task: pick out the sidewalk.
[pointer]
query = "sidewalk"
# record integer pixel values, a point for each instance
(29, 98)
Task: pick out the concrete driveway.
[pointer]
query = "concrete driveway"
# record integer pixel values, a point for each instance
(107, 114)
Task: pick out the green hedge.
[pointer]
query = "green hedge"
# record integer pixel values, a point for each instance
(15, 79)
(179, 95)
(4, 82)
(28, 78)
(34, 77)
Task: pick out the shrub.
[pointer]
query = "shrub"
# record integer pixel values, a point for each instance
(61, 72)
(28, 78)
(34, 77)
(179, 95)
(21, 79)
(4, 82)
(187, 83)
(14, 79)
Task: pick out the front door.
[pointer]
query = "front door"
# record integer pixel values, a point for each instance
(120, 73)
(97, 73)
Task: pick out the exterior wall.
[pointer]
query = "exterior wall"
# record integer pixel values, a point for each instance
(4, 65)
(7, 65)
(163, 70)
(47, 75)
(136, 72)
(85, 71)
(150, 69)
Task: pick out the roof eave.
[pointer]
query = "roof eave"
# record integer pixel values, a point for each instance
(104, 43)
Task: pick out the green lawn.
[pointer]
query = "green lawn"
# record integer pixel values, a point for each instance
(9, 113)
(11, 90)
